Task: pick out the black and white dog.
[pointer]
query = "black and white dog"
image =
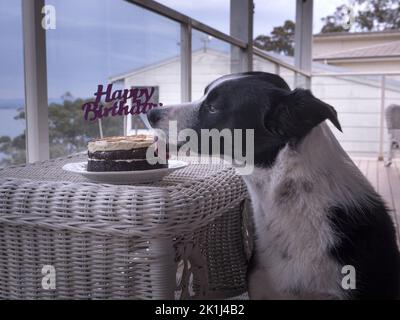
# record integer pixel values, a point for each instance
(314, 211)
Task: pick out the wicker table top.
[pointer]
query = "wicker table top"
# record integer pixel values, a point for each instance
(42, 194)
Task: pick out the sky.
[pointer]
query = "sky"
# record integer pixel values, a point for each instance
(267, 13)
(95, 39)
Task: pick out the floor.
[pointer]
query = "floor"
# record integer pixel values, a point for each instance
(386, 180)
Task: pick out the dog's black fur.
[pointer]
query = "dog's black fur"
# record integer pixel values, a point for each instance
(368, 242)
(279, 116)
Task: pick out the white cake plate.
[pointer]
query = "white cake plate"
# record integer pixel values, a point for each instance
(124, 177)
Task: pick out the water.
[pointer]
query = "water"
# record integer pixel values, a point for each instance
(8, 125)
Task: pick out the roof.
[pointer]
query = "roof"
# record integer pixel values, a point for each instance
(350, 35)
(385, 50)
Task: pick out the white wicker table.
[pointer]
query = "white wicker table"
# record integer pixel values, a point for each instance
(182, 237)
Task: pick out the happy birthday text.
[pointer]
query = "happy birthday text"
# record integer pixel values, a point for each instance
(139, 98)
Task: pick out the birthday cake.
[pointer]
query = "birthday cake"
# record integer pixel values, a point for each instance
(122, 154)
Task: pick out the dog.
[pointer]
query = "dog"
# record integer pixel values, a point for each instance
(321, 230)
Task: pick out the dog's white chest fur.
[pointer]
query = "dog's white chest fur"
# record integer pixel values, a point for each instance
(293, 237)
(293, 234)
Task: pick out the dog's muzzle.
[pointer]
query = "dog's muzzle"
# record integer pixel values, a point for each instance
(155, 116)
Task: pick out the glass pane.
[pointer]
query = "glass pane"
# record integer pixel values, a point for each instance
(323, 9)
(357, 101)
(211, 59)
(300, 81)
(288, 75)
(260, 64)
(214, 13)
(274, 25)
(12, 100)
(116, 43)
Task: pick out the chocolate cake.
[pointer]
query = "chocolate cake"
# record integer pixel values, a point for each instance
(122, 154)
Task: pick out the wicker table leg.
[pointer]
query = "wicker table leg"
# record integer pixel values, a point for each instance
(162, 269)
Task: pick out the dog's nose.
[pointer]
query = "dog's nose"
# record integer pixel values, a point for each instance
(154, 115)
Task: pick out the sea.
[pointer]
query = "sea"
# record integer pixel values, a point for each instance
(8, 125)
(9, 109)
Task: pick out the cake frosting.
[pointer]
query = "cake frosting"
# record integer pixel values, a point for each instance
(121, 143)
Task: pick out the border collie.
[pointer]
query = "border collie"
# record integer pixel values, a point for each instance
(315, 214)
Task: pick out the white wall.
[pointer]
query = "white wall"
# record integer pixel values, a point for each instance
(332, 44)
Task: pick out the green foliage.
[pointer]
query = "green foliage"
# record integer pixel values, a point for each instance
(369, 15)
(68, 132)
(378, 15)
(281, 39)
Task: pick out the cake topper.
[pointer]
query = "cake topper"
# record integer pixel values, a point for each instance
(125, 102)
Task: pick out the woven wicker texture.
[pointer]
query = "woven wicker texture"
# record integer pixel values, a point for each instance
(122, 242)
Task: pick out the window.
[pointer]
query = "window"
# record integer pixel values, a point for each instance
(269, 15)
(211, 59)
(357, 101)
(322, 9)
(12, 101)
(115, 42)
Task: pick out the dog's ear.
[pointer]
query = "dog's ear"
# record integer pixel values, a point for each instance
(294, 113)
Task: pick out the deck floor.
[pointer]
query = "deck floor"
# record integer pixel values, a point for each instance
(386, 180)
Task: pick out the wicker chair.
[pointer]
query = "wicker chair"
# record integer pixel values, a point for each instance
(393, 124)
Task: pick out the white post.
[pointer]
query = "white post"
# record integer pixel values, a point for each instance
(37, 118)
(303, 37)
(186, 63)
(382, 118)
(241, 27)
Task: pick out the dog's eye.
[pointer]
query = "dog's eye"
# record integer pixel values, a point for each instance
(211, 108)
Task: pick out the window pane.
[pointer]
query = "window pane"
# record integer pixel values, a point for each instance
(214, 13)
(12, 101)
(288, 75)
(322, 9)
(357, 102)
(211, 59)
(260, 64)
(272, 14)
(115, 42)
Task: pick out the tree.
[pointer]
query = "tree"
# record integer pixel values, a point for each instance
(378, 15)
(369, 15)
(68, 132)
(281, 39)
